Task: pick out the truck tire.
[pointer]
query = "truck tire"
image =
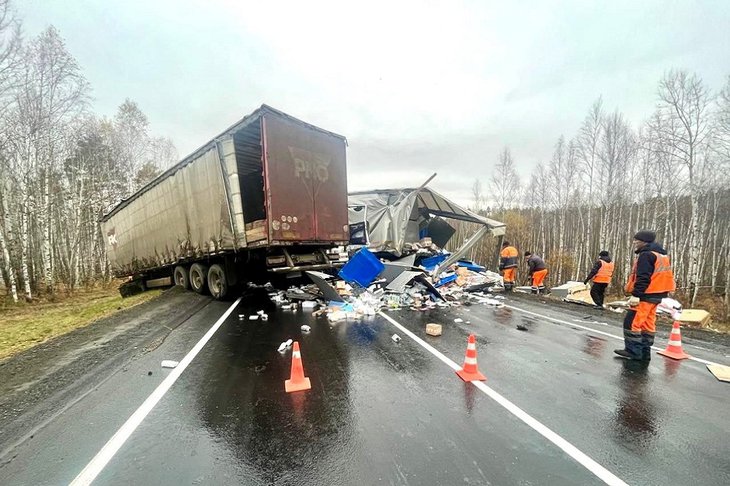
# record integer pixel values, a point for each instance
(198, 277)
(217, 283)
(181, 277)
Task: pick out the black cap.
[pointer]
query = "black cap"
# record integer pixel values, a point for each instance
(506, 243)
(647, 236)
(603, 253)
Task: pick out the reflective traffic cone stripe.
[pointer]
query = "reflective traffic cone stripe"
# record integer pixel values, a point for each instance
(470, 371)
(298, 381)
(674, 347)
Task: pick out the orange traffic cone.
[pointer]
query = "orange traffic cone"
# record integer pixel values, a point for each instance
(298, 381)
(470, 372)
(674, 348)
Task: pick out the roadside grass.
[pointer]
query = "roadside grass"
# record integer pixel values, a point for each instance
(24, 325)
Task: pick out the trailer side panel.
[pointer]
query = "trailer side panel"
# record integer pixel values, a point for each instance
(186, 215)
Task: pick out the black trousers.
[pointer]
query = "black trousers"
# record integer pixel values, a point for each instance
(598, 292)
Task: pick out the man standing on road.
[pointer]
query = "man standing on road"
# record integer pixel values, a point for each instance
(538, 272)
(650, 281)
(601, 274)
(508, 265)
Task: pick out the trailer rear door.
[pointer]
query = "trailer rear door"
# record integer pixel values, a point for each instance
(306, 182)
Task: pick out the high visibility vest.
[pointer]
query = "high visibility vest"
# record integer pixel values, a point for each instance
(604, 273)
(509, 257)
(662, 279)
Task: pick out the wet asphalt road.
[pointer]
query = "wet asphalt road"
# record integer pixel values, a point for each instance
(381, 412)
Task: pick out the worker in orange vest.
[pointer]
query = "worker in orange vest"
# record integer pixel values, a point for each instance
(601, 274)
(650, 281)
(538, 271)
(508, 265)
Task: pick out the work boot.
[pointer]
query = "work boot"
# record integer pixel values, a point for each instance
(626, 355)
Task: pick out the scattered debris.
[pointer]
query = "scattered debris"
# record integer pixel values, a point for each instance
(720, 372)
(241, 317)
(433, 329)
(254, 317)
(168, 363)
(306, 328)
(395, 338)
(283, 346)
(458, 320)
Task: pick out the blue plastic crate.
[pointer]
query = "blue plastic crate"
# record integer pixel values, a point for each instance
(362, 269)
(468, 264)
(431, 263)
(447, 279)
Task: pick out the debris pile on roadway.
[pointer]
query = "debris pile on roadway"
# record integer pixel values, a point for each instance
(366, 286)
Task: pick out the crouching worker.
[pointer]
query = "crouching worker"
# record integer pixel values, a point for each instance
(650, 281)
(508, 265)
(538, 272)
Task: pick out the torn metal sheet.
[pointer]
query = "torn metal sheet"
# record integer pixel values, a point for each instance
(410, 260)
(392, 270)
(394, 214)
(320, 280)
(400, 282)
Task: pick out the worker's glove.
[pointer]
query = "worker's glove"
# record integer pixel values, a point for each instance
(585, 282)
(633, 301)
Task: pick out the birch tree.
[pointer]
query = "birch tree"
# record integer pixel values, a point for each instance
(504, 182)
(685, 101)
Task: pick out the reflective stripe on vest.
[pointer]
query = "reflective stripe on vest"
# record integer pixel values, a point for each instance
(604, 273)
(662, 279)
(509, 256)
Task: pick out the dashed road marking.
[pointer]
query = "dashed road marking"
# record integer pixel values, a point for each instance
(599, 471)
(621, 338)
(102, 458)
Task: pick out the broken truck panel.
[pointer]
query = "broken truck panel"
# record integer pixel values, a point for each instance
(306, 182)
(231, 195)
(394, 217)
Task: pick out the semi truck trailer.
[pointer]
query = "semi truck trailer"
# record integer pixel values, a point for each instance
(266, 196)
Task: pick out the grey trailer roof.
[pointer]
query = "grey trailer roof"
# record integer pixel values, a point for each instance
(427, 199)
(242, 123)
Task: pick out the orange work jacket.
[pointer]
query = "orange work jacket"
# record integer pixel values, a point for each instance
(662, 280)
(604, 273)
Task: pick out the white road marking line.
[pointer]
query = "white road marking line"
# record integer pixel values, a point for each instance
(601, 472)
(102, 458)
(621, 338)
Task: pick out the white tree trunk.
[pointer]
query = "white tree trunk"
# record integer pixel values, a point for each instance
(45, 224)
(694, 248)
(13, 287)
(24, 255)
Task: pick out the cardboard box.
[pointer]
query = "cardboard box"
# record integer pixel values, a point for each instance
(433, 329)
(695, 318)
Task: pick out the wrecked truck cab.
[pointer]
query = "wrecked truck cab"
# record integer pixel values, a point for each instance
(399, 222)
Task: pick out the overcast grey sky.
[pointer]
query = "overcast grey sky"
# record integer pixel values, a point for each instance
(416, 87)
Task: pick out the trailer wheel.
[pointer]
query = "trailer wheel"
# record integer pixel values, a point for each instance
(217, 283)
(198, 277)
(181, 277)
